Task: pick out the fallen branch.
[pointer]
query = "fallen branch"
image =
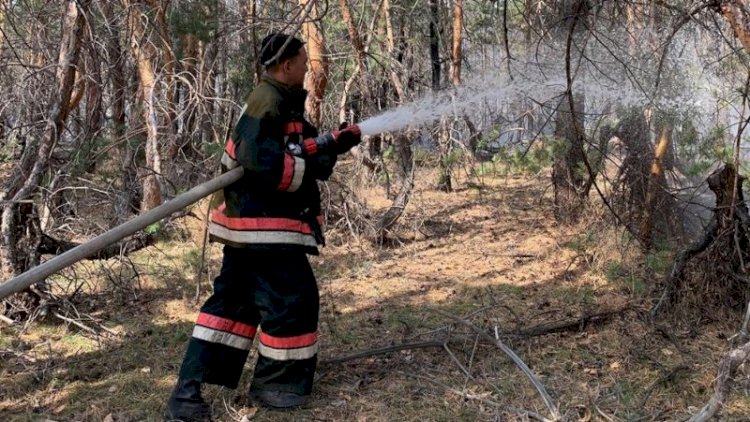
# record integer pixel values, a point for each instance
(724, 380)
(76, 323)
(514, 357)
(571, 325)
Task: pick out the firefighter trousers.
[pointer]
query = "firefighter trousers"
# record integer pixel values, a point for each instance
(269, 293)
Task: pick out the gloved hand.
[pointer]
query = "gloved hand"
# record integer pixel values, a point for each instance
(337, 141)
(349, 136)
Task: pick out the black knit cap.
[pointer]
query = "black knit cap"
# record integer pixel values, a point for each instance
(273, 43)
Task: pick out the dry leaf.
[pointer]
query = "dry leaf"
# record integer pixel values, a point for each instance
(614, 366)
(667, 352)
(109, 418)
(59, 408)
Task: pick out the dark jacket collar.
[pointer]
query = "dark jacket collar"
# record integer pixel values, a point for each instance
(293, 97)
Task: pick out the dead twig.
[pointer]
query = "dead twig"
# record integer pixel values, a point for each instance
(603, 415)
(570, 325)
(514, 357)
(724, 379)
(471, 360)
(76, 323)
(479, 397)
(457, 362)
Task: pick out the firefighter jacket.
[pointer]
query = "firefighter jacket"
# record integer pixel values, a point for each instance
(276, 203)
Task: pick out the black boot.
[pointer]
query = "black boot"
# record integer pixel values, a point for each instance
(277, 399)
(186, 404)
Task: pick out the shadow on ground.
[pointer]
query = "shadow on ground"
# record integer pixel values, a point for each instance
(619, 369)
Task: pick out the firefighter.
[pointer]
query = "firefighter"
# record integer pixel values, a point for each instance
(268, 221)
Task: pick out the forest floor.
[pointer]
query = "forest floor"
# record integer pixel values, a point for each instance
(490, 254)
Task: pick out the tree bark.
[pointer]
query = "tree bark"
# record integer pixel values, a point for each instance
(656, 185)
(737, 14)
(250, 12)
(79, 85)
(128, 201)
(351, 110)
(567, 171)
(2, 26)
(391, 45)
(316, 79)
(35, 159)
(159, 9)
(571, 183)
(354, 36)
(435, 44)
(389, 218)
(143, 52)
(458, 24)
(445, 147)
(726, 184)
(361, 70)
(94, 111)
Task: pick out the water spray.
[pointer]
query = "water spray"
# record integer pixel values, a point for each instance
(475, 94)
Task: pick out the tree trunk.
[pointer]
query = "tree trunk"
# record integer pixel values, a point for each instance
(390, 216)
(568, 173)
(634, 27)
(317, 77)
(35, 159)
(2, 27)
(250, 12)
(167, 71)
(458, 24)
(708, 278)
(435, 44)
(351, 110)
(361, 70)
(656, 185)
(143, 52)
(128, 201)
(94, 107)
(444, 182)
(79, 84)
(445, 145)
(354, 36)
(391, 45)
(737, 14)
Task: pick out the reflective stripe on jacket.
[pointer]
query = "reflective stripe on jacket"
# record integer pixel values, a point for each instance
(276, 204)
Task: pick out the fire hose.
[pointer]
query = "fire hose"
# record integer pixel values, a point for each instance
(42, 271)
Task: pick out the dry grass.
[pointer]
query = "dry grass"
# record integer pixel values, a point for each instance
(493, 254)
